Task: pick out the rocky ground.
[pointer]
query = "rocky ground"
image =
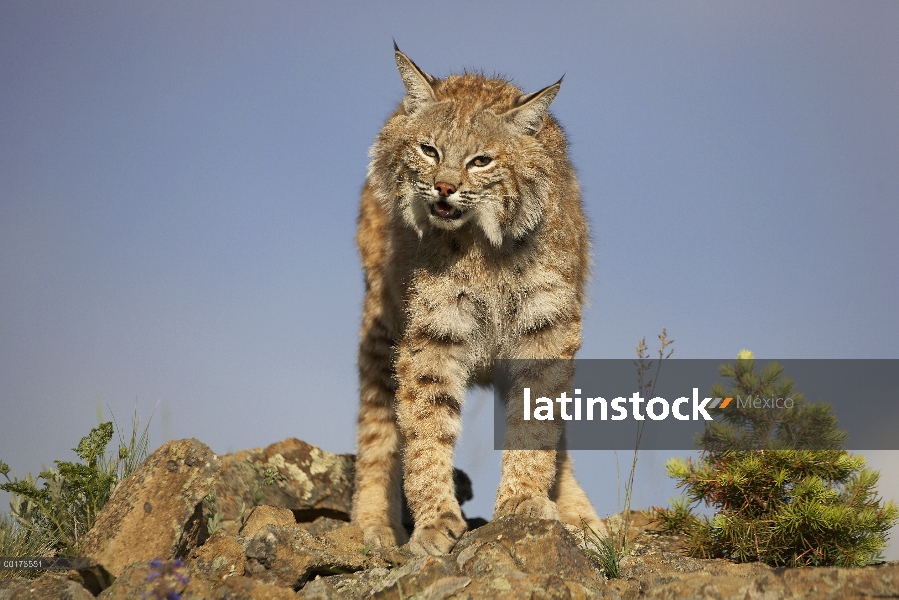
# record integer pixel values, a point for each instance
(163, 536)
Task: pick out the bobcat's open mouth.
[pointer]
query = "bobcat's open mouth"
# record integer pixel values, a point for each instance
(445, 210)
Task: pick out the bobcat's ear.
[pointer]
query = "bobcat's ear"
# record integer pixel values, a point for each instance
(418, 83)
(527, 115)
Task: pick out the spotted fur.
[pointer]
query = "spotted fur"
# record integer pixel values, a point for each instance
(475, 247)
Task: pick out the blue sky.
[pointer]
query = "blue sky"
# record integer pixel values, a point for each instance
(179, 186)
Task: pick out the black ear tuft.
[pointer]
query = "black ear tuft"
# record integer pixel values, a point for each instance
(418, 83)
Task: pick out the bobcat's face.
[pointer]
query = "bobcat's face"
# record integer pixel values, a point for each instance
(464, 157)
(450, 177)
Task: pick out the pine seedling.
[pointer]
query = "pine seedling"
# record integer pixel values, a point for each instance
(775, 501)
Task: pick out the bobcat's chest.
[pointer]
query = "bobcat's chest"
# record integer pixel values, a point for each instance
(477, 303)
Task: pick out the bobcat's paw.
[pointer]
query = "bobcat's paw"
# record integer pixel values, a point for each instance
(383, 536)
(539, 507)
(437, 537)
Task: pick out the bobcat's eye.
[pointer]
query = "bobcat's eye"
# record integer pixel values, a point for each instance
(430, 151)
(480, 161)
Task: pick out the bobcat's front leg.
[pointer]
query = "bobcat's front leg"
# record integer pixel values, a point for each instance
(528, 468)
(529, 450)
(429, 404)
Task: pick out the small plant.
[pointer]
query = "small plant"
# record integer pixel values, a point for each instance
(778, 504)
(212, 513)
(646, 382)
(604, 551)
(63, 508)
(268, 478)
(132, 451)
(71, 496)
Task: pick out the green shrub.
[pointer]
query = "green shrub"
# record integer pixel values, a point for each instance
(52, 517)
(777, 504)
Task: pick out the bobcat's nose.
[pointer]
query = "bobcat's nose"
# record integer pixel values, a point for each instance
(444, 189)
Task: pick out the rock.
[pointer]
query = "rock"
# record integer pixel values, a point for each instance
(221, 557)
(414, 577)
(658, 569)
(320, 589)
(153, 579)
(512, 557)
(323, 525)
(235, 588)
(49, 585)
(261, 516)
(514, 543)
(830, 582)
(268, 554)
(156, 513)
(348, 537)
(518, 557)
(288, 556)
(721, 579)
(309, 480)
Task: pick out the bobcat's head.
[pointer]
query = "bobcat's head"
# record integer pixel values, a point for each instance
(466, 151)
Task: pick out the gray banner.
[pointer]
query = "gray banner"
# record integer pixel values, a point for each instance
(604, 404)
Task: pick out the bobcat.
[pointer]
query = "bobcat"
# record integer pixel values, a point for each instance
(474, 246)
